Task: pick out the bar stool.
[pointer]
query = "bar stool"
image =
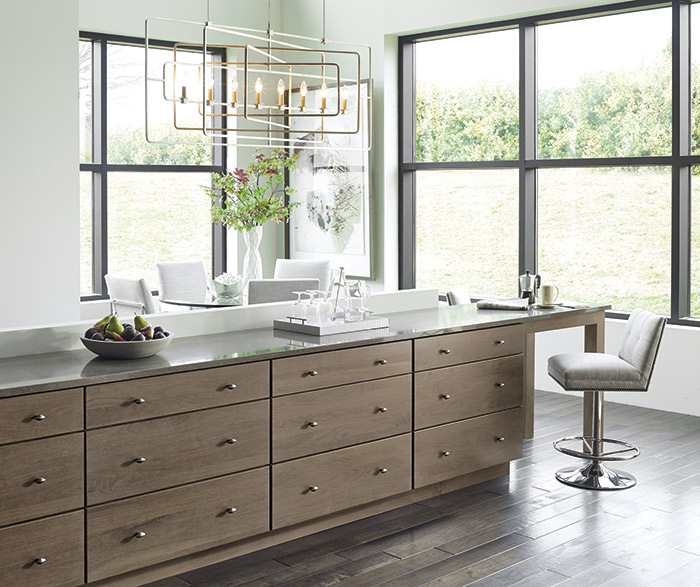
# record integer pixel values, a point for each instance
(597, 372)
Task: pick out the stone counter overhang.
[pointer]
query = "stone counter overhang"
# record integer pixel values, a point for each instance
(61, 370)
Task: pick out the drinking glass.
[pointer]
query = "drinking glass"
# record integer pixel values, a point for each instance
(357, 301)
(298, 307)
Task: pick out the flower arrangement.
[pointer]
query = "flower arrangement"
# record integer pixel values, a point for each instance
(246, 198)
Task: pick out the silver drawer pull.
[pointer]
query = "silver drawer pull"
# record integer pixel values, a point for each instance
(139, 534)
(231, 386)
(313, 488)
(500, 384)
(39, 417)
(140, 460)
(39, 561)
(382, 470)
(445, 453)
(383, 409)
(231, 510)
(231, 441)
(445, 351)
(312, 373)
(445, 396)
(500, 342)
(139, 400)
(382, 362)
(40, 480)
(313, 424)
(500, 439)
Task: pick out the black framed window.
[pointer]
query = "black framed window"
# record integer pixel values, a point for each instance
(603, 163)
(140, 202)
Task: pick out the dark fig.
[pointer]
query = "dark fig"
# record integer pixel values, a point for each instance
(97, 336)
(90, 332)
(147, 331)
(157, 329)
(166, 333)
(138, 338)
(158, 335)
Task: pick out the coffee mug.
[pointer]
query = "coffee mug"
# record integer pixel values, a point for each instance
(549, 294)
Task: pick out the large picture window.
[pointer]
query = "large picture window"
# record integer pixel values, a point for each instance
(594, 137)
(141, 202)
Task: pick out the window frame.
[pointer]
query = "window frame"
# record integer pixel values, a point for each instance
(99, 168)
(680, 161)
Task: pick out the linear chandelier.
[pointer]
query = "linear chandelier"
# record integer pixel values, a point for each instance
(269, 90)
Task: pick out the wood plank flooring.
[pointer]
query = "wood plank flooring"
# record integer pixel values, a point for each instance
(526, 530)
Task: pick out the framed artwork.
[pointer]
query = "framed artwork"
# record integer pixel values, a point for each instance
(332, 186)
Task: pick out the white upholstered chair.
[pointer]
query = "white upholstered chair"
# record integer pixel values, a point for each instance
(181, 279)
(130, 296)
(304, 269)
(598, 372)
(262, 291)
(458, 295)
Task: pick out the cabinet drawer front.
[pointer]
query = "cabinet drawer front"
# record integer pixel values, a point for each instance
(463, 447)
(176, 449)
(466, 347)
(128, 401)
(315, 486)
(317, 421)
(176, 522)
(40, 414)
(455, 393)
(58, 540)
(41, 477)
(340, 367)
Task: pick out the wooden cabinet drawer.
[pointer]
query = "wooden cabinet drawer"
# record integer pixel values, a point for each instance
(41, 477)
(177, 449)
(340, 367)
(455, 449)
(128, 401)
(57, 542)
(315, 486)
(318, 421)
(465, 391)
(176, 522)
(40, 414)
(466, 347)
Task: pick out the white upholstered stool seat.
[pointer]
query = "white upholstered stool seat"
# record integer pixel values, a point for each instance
(588, 371)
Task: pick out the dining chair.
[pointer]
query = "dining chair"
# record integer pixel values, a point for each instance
(458, 295)
(630, 370)
(178, 279)
(304, 269)
(129, 296)
(262, 291)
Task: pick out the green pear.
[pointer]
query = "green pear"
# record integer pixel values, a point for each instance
(102, 324)
(140, 323)
(114, 326)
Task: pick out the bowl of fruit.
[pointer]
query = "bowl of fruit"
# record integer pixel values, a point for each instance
(112, 339)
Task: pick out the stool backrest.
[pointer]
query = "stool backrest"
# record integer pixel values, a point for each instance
(640, 342)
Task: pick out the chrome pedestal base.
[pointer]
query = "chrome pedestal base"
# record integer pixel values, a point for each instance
(595, 475)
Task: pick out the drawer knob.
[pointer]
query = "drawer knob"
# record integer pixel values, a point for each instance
(140, 460)
(500, 342)
(383, 470)
(313, 488)
(383, 409)
(39, 417)
(312, 373)
(139, 534)
(39, 561)
(445, 453)
(40, 480)
(231, 510)
(500, 384)
(445, 396)
(139, 400)
(382, 362)
(313, 424)
(231, 441)
(500, 439)
(231, 386)
(445, 351)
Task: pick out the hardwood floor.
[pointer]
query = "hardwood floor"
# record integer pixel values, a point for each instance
(527, 530)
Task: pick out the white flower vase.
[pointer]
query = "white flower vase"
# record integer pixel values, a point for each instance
(252, 262)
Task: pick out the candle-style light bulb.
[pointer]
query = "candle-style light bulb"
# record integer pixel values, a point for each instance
(344, 98)
(324, 95)
(280, 93)
(258, 91)
(302, 91)
(210, 88)
(234, 91)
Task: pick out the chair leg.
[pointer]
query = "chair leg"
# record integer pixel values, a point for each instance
(594, 474)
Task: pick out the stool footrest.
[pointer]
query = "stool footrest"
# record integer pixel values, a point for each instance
(626, 453)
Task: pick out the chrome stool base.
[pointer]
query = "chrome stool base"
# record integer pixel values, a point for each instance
(595, 475)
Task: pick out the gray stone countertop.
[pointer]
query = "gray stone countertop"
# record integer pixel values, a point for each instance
(61, 370)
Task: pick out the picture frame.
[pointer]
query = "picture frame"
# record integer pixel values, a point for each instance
(334, 219)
